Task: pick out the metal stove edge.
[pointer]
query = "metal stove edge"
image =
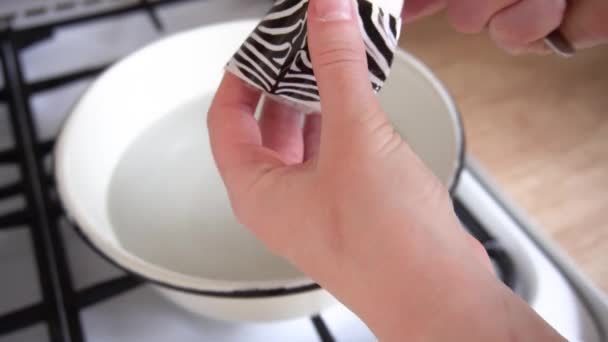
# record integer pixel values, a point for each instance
(553, 285)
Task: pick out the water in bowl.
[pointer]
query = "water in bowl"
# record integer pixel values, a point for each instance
(168, 205)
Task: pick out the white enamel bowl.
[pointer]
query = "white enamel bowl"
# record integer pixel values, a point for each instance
(135, 173)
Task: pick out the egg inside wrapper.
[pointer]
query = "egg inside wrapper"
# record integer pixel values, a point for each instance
(275, 57)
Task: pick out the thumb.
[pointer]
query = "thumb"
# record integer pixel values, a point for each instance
(340, 63)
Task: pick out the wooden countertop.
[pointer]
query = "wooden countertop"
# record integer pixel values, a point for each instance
(538, 125)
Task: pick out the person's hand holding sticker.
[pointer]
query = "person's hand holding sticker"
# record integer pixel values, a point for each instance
(344, 198)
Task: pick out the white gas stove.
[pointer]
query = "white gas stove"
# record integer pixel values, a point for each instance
(41, 300)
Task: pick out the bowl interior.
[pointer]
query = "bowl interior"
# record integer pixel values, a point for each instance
(423, 113)
(135, 170)
(169, 206)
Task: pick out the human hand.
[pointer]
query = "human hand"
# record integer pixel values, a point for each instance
(332, 191)
(350, 203)
(519, 26)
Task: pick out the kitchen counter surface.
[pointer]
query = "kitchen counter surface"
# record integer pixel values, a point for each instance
(538, 125)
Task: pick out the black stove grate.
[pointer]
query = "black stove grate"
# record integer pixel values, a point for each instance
(61, 303)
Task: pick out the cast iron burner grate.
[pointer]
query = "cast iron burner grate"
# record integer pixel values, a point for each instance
(61, 303)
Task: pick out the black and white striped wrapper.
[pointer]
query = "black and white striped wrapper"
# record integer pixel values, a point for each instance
(276, 60)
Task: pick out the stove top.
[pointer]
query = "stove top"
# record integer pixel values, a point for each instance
(58, 289)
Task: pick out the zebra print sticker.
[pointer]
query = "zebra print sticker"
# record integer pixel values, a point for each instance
(275, 57)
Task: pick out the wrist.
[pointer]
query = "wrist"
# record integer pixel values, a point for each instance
(430, 292)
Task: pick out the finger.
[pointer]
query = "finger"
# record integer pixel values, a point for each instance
(415, 9)
(538, 47)
(235, 136)
(515, 27)
(339, 62)
(312, 136)
(585, 23)
(472, 16)
(281, 129)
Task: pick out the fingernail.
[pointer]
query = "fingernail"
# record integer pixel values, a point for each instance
(333, 10)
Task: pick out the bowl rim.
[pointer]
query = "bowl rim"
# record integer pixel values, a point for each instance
(301, 285)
